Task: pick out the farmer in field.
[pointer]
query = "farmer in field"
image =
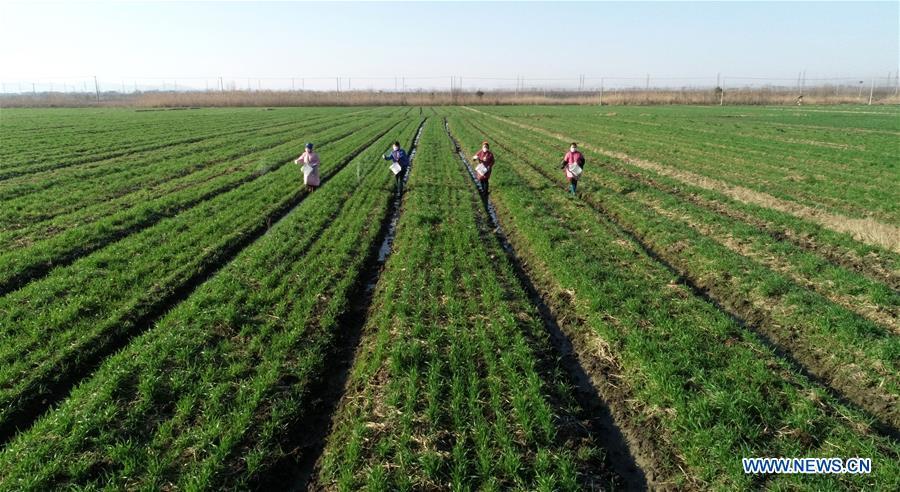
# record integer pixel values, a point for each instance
(309, 162)
(399, 157)
(572, 163)
(485, 160)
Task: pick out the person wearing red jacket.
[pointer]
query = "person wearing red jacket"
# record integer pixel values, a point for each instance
(572, 163)
(486, 158)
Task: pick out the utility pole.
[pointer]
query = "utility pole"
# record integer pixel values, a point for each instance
(722, 93)
(293, 85)
(338, 83)
(648, 82)
(601, 91)
(871, 90)
(33, 91)
(803, 82)
(97, 88)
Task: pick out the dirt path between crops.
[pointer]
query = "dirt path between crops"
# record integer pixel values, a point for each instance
(868, 231)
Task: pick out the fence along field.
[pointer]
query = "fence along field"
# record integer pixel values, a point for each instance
(173, 301)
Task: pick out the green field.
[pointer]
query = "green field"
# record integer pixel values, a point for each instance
(177, 312)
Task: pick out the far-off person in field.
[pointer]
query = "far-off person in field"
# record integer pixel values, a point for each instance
(572, 163)
(398, 155)
(485, 158)
(309, 161)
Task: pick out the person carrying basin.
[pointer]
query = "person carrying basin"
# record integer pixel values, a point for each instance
(573, 163)
(485, 160)
(400, 164)
(309, 162)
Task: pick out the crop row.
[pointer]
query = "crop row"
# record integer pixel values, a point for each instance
(94, 175)
(104, 177)
(693, 389)
(206, 397)
(55, 328)
(28, 206)
(131, 140)
(36, 249)
(730, 145)
(447, 390)
(801, 321)
(125, 143)
(782, 226)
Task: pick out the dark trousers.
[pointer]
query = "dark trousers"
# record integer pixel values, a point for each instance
(398, 179)
(485, 186)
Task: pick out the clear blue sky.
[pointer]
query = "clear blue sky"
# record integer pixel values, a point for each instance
(536, 40)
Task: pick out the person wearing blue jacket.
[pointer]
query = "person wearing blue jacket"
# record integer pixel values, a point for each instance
(399, 156)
